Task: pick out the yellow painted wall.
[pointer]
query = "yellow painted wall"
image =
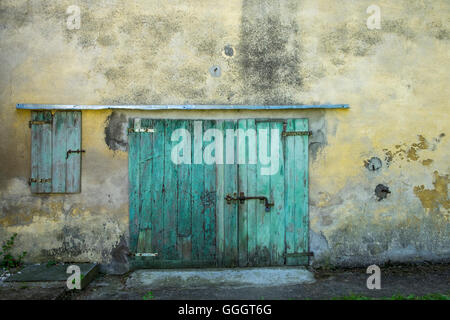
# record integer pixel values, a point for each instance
(289, 52)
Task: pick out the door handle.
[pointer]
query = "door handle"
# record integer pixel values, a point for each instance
(242, 198)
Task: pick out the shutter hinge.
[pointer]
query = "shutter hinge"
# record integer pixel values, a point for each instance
(37, 122)
(296, 133)
(38, 180)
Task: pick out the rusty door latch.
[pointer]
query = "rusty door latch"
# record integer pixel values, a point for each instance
(242, 199)
(73, 151)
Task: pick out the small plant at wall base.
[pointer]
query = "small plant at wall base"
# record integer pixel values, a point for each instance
(8, 260)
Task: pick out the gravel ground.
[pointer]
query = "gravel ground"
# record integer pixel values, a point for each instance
(405, 280)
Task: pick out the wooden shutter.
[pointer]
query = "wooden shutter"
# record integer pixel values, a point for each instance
(53, 168)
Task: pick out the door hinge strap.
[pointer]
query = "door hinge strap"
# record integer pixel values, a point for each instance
(38, 180)
(145, 254)
(299, 254)
(296, 133)
(37, 122)
(147, 130)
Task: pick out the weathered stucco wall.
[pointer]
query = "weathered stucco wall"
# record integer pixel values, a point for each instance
(297, 52)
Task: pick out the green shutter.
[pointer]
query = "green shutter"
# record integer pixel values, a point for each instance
(53, 168)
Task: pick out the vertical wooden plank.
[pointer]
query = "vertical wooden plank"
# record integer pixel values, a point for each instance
(198, 210)
(184, 245)
(263, 189)
(35, 150)
(157, 181)
(134, 185)
(301, 191)
(170, 192)
(231, 210)
(252, 185)
(220, 207)
(277, 212)
(45, 154)
(59, 152)
(145, 207)
(242, 151)
(73, 175)
(296, 184)
(209, 205)
(289, 144)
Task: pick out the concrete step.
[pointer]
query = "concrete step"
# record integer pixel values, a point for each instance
(54, 273)
(239, 277)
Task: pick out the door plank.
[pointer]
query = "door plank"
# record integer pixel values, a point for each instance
(170, 197)
(209, 207)
(146, 168)
(185, 190)
(134, 185)
(277, 213)
(252, 184)
(242, 152)
(301, 190)
(231, 210)
(197, 207)
(296, 200)
(157, 195)
(263, 218)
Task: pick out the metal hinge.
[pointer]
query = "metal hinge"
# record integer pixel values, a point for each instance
(131, 130)
(296, 133)
(38, 180)
(144, 254)
(299, 254)
(137, 127)
(31, 122)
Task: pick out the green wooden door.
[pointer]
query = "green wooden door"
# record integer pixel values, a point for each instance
(178, 210)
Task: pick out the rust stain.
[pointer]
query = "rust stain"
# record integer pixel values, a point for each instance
(410, 152)
(432, 199)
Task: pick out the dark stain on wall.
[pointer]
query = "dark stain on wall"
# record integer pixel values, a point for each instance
(73, 245)
(118, 257)
(115, 131)
(269, 53)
